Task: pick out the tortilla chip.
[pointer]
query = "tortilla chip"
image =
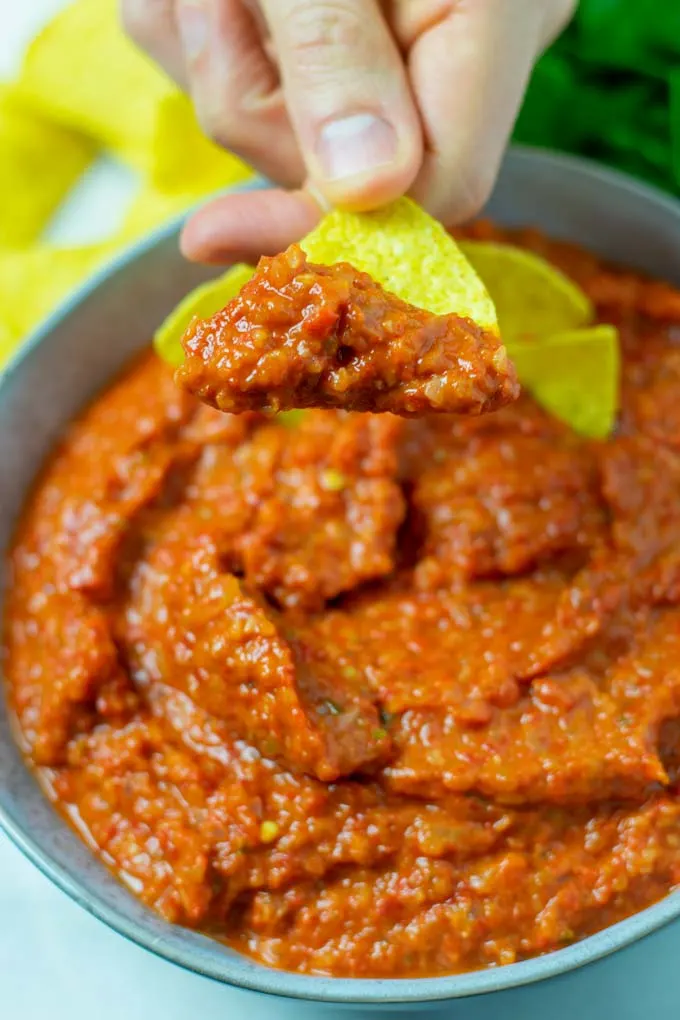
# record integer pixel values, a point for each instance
(575, 376)
(409, 253)
(184, 159)
(35, 280)
(118, 96)
(532, 298)
(83, 72)
(400, 246)
(573, 372)
(8, 343)
(152, 208)
(39, 163)
(291, 419)
(201, 303)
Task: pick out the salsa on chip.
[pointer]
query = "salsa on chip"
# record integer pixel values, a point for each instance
(339, 339)
(301, 335)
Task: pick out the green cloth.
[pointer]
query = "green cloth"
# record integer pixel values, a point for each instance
(609, 88)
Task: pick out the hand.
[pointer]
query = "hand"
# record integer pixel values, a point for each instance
(351, 102)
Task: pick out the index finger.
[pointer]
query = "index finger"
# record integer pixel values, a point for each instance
(241, 227)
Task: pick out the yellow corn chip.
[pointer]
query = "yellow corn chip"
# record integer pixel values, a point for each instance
(184, 159)
(39, 163)
(532, 298)
(201, 303)
(409, 253)
(574, 375)
(82, 71)
(572, 372)
(119, 97)
(291, 419)
(152, 208)
(8, 343)
(35, 280)
(400, 246)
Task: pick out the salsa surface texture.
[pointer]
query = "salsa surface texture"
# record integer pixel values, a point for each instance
(361, 695)
(301, 335)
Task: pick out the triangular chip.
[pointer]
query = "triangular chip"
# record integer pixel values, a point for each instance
(201, 303)
(572, 371)
(291, 419)
(400, 246)
(8, 343)
(34, 280)
(29, 144)
(409, 253)
(83, 72)
(532, 298)
(117, 96)
(151, 208)
(184, 159)
(574, 376)
(305, 335)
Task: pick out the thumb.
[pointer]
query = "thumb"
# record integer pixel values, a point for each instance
(348, 98)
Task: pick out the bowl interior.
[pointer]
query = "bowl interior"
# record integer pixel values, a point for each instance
(79, 350)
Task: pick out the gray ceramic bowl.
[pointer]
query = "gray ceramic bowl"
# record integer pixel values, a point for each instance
(76, 353)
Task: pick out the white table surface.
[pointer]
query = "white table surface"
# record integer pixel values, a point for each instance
(58, 963)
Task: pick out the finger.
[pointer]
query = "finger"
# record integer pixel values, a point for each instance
(241, 227)
(153, 26)
(349, 98)
(557, 15)
(235, 87)
(470, 71)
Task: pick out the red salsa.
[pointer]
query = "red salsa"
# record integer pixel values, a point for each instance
(366, 695)
(301, 335)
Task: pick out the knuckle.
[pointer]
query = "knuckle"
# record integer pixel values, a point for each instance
(411, 19)
(320, 33)
(225, 126)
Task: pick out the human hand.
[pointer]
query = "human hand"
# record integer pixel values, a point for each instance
(346, 102)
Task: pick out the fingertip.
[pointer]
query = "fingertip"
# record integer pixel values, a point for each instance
(196, 246)
(368, 191)
(240, 227)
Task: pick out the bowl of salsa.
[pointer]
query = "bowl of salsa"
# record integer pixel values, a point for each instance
(352, 707)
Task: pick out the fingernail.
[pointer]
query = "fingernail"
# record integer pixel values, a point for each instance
(192, 23)
(355, 145)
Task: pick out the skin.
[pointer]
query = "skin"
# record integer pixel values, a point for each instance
(346, 102)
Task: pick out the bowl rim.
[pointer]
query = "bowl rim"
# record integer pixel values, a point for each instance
(231, 969)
